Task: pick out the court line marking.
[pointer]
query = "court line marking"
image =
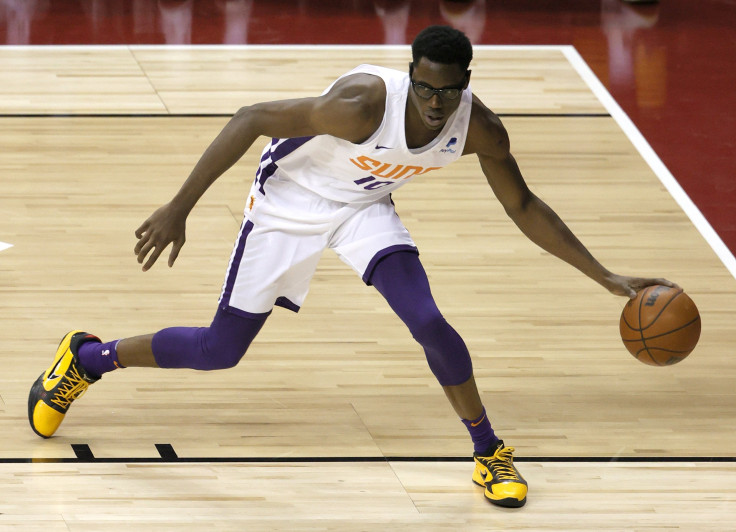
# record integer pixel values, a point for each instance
(167, 454)
(364, 459)
(651, 158)
(5, 245)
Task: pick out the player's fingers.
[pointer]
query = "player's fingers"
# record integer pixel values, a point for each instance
(142, 229)
(154, 256)
(143, 240)
(144, 251)
(175, 251)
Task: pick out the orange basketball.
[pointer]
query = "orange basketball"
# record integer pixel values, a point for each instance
(661, 326)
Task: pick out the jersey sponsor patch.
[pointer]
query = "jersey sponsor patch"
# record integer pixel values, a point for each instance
(449, 147)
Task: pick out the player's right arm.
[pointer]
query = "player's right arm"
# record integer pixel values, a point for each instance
(352, 110)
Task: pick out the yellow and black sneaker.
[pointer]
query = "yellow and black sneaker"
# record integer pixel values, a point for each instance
(495, 471)
(56, 388)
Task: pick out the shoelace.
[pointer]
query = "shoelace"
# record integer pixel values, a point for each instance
(73, 388)
(502, 464)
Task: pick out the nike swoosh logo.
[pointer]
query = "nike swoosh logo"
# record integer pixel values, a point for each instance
(479, 422)
(53, 374)
(383, 148)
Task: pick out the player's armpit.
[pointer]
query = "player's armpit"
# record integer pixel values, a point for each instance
(280, 119)
(486, 133)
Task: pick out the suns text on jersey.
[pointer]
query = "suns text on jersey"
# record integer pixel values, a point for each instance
(390, 170)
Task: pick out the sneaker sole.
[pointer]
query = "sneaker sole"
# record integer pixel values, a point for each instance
(509, 502)
(33, 399)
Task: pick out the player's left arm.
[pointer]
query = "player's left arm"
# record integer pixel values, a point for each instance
(488, 139)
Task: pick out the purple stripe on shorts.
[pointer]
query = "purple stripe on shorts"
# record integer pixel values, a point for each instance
(245, 313)
(287, 304)
(382, 254)
(235, 264)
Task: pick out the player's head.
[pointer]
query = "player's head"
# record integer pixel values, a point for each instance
(442, 44)
(439, 73)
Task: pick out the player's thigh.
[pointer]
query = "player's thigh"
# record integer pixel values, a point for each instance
(371, 232)
(270, 267)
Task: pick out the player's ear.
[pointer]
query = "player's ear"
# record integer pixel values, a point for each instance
(411, 68)
(467, 78)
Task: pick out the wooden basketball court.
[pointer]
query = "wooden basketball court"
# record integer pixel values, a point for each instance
(333, 420)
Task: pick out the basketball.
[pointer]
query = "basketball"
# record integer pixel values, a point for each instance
(661, 326)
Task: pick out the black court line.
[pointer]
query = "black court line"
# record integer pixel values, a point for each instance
(83, 452)
(366, 459)
(84, 455)
(221, 115)
(167, 452)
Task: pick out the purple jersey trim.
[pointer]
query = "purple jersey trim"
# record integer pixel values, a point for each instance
(383, 254)
(288, 146)
(281, 151)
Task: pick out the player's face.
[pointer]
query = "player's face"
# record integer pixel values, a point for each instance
(436, 91)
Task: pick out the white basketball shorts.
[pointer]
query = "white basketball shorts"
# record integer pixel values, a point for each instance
(283, 235)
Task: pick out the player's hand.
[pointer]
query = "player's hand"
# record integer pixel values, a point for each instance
(165, 226)
(622, 285)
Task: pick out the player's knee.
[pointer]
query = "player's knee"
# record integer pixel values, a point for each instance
(226, 340)
(224, 359)
(428, 328)
(223, 352)
(446, 352)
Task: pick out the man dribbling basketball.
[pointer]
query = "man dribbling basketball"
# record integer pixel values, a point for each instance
(325, 181)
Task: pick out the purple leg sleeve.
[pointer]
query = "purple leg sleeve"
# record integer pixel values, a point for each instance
(219, 346)
(401, 279)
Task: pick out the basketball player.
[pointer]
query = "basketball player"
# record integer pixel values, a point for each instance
(324, 181)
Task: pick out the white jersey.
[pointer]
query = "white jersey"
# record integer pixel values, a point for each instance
(339, 170)
(312, 193)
